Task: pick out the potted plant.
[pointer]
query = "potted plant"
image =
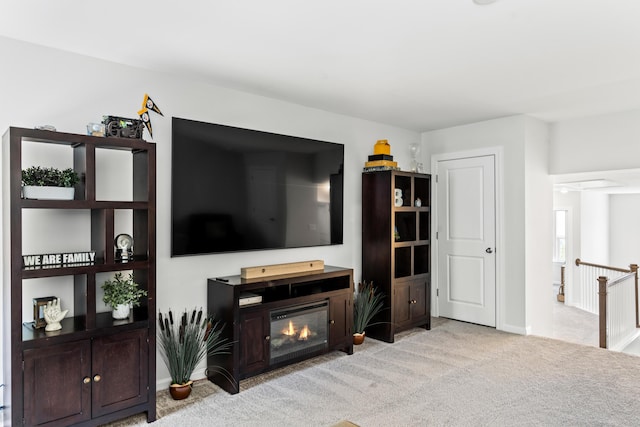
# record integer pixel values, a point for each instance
(48, 183)
(185, 343)
(121, 293)
(367, 303)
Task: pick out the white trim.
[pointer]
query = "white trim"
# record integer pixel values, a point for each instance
(497, 152)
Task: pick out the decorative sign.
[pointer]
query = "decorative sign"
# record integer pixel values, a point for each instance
(58, 260)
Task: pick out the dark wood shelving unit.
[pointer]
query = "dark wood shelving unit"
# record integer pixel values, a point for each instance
(396, 249)
(247, 327)
(95, 369)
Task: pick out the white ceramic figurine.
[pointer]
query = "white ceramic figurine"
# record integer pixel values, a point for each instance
(53, 315)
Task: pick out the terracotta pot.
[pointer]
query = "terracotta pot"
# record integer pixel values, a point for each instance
(358, 338)
(180, 391)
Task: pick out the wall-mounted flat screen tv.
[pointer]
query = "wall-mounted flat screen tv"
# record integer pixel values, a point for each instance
(235, 189)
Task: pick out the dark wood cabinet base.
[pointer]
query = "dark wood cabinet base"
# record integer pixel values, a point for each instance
(324, 297)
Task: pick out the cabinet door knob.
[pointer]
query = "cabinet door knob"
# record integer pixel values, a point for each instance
(413, 301)
(333, 322)
(97, 378)
(86, 380)
(267, 338)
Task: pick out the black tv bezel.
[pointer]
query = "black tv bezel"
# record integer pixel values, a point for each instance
(173, 253)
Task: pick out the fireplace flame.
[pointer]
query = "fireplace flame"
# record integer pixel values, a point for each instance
(290, 331)
(304, 334)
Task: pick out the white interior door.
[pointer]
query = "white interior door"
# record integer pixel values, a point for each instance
(466, 212)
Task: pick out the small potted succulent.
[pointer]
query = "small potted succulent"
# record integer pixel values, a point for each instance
(186, 342)
(121, 293)
(48, 183)
(367, 303)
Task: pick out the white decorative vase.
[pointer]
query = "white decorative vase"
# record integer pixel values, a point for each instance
(121, 311)
(47, 193)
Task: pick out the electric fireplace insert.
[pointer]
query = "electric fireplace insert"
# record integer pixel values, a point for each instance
(299, 330)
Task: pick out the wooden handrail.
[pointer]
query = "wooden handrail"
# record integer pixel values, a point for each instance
(588, 264)
(603, 285)
(618, 279)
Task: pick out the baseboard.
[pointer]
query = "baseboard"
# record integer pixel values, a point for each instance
(520, 330)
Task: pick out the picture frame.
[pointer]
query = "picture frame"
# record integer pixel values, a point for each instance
(38, 311)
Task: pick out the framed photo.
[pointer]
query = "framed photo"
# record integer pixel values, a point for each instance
(38, 311)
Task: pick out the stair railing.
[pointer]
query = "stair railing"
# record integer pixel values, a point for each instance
(585, 294)
(618, 314)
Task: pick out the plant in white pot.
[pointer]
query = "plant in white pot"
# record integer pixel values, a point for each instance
(185, 343)
(121, 293)
(48, 183)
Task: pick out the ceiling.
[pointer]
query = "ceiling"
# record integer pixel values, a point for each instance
(625, 181)
(417, 64)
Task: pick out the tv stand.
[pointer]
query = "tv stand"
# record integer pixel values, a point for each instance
(321, 299)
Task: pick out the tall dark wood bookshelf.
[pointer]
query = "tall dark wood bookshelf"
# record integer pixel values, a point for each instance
(396, 249)
(94, 370)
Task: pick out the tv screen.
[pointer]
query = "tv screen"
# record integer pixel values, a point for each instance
(236, 189)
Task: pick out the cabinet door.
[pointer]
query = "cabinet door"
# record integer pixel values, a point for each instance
(340, 320)
(401, 304)
(57, 384)
(418, 298)
(120, 371)
(254, 341)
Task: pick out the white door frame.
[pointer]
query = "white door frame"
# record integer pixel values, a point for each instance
(497, 152)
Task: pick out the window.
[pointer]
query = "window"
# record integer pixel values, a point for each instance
(559, 236)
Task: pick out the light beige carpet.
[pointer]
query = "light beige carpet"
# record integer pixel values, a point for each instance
(457, 374)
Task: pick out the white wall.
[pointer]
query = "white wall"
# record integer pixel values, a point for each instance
(624, 229)
(594, 227)
(598, 143)
(538, 226)
(46, 86)
(590, 144)
(509, 135)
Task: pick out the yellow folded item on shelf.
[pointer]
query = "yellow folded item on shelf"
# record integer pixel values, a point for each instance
(381, 163)
(382, 147)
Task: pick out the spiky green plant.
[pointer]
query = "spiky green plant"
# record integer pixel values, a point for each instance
(185, 343)
(367, 303)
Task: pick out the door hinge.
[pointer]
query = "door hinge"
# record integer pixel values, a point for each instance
(436, 179)
(436, 235)
(437, 292)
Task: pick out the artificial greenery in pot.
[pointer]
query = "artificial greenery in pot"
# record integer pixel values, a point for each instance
(48, 183)
(120, 293)
(51, 177)
(185, 342)
(367, 303)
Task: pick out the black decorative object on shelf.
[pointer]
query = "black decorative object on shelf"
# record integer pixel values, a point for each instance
(124, 247)
(123, 127)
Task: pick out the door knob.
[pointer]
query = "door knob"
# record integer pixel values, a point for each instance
(489, 250)
(97, 378)
(86, 380)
